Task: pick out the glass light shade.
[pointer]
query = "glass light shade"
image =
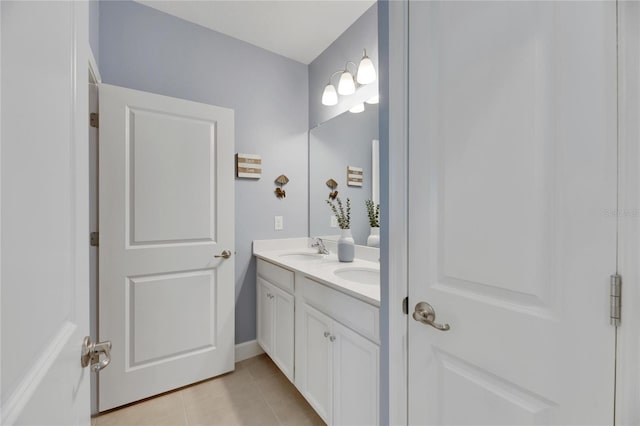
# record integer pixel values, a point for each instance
(366, 71)
(346, 86)
(357, 108)
(374, 100)
(329, 95)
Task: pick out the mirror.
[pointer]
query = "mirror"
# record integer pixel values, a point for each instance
(345, 140)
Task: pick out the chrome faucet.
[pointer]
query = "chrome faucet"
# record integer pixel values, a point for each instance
(319, 244)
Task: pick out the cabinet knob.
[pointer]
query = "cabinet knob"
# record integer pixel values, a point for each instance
(332, 338)
(326, 334)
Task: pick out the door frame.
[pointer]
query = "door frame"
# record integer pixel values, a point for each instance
(96, 79)
(627, 386)
(396, 200)
(628, 215)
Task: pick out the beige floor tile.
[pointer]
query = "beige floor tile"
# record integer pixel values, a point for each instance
(165, 410)
(236, 398)
(256, 393)
(258, 413)
(262, 366)
(278, 388)
(293, 412)
(219, 387)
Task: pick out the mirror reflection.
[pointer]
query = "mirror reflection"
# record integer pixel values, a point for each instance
(345, 141)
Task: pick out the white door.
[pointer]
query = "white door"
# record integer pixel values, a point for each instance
(45, 212)
(512, 174)
(166, 300)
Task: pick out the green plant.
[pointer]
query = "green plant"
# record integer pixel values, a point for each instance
(374, 214)
(343, 217)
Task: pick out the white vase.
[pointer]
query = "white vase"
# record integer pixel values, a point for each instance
(374, 237)
(346, 246)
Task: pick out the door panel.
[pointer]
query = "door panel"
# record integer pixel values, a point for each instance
(283, 331)
(166, 209)
(162, 147)
(355, 378)
(265, 316)
(316, 361)
(513, 166)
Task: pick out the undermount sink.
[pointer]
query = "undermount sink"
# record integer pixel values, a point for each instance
(359, 275)
(302, 256)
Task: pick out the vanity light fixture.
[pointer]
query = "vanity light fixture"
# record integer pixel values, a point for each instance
(365, 74)
(366, 71)
(357, 108)
(374, 100)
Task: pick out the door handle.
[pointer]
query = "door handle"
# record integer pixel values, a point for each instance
(425, 314)
(90, 354)
(225, 254)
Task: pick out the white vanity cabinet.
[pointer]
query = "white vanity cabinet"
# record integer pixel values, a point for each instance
(322, 334)
(337, 367)
(275, 316)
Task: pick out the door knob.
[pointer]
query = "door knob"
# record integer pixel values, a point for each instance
(91, 354)
(425, 314)
(225, 254)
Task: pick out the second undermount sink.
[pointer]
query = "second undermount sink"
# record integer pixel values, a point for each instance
(302, 256)
(368, 276)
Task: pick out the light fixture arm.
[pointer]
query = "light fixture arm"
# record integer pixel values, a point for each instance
(346, 66)
(335, 73)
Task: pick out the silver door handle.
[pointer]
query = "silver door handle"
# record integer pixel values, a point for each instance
(425, 314)
(90, 354)
(225, 254)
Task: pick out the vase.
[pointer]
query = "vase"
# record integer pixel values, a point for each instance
(346, 246)
(374, 237)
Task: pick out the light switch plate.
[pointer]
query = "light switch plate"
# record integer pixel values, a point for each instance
(334, 221)
(278, 223)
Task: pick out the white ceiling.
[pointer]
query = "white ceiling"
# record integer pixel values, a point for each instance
(297, 29)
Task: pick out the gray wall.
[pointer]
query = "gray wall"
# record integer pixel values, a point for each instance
(343, 141)
(145, 49)
(363, 34)
(94, 31)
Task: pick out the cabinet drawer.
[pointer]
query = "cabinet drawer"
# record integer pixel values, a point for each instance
(276, 275)
(353, 313)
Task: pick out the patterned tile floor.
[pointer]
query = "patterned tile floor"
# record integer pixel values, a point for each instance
(256, 393)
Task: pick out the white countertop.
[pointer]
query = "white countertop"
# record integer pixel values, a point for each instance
(323, 269)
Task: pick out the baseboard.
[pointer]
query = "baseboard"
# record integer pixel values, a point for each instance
(248, 350)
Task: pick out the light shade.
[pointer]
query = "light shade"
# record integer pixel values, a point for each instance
(346, 86)
(374, 100)
(366, 71)
(357, 108)
(329, 95)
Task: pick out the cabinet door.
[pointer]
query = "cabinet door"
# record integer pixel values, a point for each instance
(315, 361)
(355, 378)
(265, 315)
(282, 347)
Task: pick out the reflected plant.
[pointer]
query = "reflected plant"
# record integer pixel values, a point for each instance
(343, 217)
(373, 213)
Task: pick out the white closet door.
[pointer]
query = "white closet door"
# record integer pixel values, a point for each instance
(512, 197)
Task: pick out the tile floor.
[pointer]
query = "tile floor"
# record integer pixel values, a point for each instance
(256, 393)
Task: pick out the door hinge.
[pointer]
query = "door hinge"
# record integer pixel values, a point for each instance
(94, 239)
(94, 120)
(616, 299)
(405, 306)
